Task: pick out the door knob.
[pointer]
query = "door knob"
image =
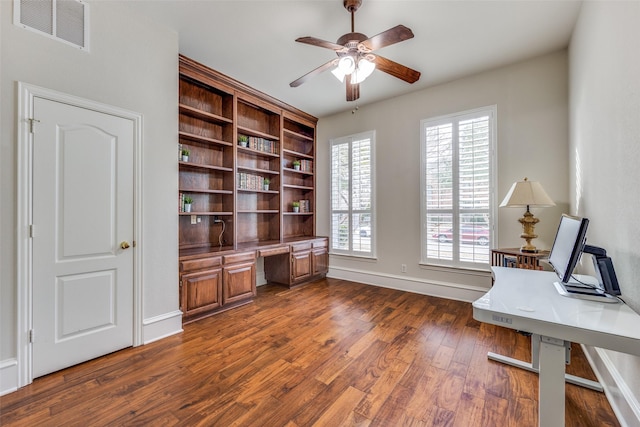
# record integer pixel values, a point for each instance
(124, 245)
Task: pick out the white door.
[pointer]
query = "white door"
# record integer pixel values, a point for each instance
(82, 222)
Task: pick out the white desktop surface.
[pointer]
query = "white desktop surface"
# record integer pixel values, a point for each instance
(526, 300)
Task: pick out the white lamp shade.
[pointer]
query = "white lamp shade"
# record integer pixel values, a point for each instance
(347, 64)
(526, 193)
(364, 70)
(338, 73)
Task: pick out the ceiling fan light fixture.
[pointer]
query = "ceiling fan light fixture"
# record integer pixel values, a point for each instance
(338, 73)
(347, 65)
(364, 70)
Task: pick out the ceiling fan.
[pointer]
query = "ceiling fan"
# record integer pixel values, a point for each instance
(355, 61)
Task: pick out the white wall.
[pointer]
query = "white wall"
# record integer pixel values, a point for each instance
(132, 64)
(604, 155)
(532, 138)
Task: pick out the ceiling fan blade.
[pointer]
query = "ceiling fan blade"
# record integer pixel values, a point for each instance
(320, 43)
(407, 74)
(312, 73)
(353, 90)
(393, 35)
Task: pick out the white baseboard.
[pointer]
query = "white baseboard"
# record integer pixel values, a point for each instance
(454, 291)
(162, 326)
(8, 376)
(622, 399)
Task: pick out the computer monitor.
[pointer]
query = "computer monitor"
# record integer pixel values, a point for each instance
(568, 246)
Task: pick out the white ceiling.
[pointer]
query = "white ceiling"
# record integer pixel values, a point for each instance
(253, 41)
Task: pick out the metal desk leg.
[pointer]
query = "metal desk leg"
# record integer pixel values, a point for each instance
(534, 366)
(551, 380)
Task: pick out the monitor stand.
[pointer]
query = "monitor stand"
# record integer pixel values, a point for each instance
(584, 292)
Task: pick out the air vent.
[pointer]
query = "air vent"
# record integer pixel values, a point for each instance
(64, 20)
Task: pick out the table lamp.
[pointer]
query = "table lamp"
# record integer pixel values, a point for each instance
(527, 193)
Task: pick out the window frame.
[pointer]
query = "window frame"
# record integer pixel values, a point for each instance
(455, 119)
(371, 135)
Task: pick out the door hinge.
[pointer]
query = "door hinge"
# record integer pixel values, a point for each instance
(31, 230)
(32, 336)
(31, 121)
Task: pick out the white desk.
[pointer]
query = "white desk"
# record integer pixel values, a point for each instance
(526, 300)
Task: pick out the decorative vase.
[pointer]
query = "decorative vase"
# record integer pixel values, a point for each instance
(265, 187)
(296, 167)
(187, 207)
(296, 209)
(244, 144)
(185, 158)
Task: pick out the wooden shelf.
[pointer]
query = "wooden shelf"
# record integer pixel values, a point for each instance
(297, 154)
(297, 171)
(258, 152)
(298, 187)
(298, 135)
(203, 139)
(205, 191)
(258, 170)
(206, 213)
(203, 115)
(259, 211)
(252, 132)
(201, 166)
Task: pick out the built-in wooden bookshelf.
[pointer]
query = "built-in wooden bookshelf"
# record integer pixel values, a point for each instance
(238, 139)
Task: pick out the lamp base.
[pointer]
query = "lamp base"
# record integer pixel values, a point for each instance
(528, 222)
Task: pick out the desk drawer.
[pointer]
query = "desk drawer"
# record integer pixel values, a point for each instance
(273, 251)
(241, 257)
(200, 264)
(301, 246)
(320, 243)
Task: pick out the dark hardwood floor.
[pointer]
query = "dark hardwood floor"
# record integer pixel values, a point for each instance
(330, 353)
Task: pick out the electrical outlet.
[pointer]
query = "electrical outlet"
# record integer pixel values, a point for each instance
(403, 267)
(194, 219)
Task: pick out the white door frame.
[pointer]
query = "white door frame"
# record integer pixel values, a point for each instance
(26, 95)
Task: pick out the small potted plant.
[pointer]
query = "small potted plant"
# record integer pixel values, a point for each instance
(243, 140)
(187, 203)
(296, 206)
(265, 184)
(296, 165)
(185, 155)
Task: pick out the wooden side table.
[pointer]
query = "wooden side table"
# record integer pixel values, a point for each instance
(512, 257)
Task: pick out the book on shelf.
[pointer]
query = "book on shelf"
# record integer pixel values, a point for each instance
(262, 144)
(305, 205)
(306, 165)
(249, 181)
(180, 202)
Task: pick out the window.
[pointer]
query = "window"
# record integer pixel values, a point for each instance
(457, 153)
(352, 202)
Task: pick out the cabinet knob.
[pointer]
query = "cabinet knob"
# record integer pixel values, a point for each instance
(124, 245)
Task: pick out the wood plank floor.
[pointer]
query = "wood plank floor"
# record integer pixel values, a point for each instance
(330, 353)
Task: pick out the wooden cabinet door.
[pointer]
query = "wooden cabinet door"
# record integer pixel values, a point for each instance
(239, 282)
(201, 291)
(300, 266)
(320, 261)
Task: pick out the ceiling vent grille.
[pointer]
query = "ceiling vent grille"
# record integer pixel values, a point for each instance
(64, 20)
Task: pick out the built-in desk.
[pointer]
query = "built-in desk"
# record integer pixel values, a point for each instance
(526, 300)
(215, 279)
